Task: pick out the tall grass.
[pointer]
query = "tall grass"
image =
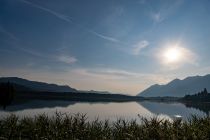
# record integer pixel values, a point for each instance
(62, 127)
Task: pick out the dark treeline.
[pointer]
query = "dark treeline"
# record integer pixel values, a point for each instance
(6, 94)
(24, 94)
(202, 96)
(91, 97)
(199, 101)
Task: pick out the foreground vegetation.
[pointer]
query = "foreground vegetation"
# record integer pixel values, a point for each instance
(61, 127)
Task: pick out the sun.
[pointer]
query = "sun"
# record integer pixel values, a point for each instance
(172, 54)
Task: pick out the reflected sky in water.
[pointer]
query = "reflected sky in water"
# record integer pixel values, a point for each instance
(111, 111)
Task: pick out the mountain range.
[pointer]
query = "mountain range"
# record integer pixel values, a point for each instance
(26, 90)
(27, 85)
(175, 88)
(178, 88)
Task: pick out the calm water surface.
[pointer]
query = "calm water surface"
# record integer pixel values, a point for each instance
(111, 111)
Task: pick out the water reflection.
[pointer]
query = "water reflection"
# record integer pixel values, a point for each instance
(204, 107)
(103, 111)
(111, 111)
(171, 109)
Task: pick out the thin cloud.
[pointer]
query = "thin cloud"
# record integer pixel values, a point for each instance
(7, 33)
(107, 74)
(119, 74)
(69, 20)
(18, 45)
(104, 37)
(139, 46)
(114, 72)
(67, 59)
(63, 58)
(58, 15)
(118, 79)
(165, 10)
(32, 52)
(157, 17)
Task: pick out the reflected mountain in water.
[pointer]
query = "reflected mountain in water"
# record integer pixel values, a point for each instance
(171, 109)
(205, 107)
(38, 104)
(102, 111)
(143, 108)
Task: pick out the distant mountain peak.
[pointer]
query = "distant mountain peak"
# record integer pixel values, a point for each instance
(178, 88)
(174, 81)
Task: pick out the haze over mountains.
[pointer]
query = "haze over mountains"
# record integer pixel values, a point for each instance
(31, 90)
(178, 88)
(175, 88)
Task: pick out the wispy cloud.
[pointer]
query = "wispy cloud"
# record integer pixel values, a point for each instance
(116, 80)
(114, 72)
(104, 36)
(165, 10)
(119, 74)
(16, 43)
(157, 17)
(102, 74)
(8, 33)
(139, 46)
(67, 59)
(25, 47)
(29, 50)
(69, 20)
(62, 58)
(58, 15)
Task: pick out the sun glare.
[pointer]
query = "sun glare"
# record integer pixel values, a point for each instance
(172, 55)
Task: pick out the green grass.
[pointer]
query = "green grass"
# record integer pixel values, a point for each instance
(62, 127)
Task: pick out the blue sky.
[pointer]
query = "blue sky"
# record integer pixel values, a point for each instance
(111, 45)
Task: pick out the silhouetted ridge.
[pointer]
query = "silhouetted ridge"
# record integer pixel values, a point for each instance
(178, 88)
(36, 86)
(175, 81)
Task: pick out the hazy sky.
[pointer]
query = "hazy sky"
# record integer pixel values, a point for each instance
(122, 46)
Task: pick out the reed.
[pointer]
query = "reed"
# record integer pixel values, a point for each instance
(76, 127)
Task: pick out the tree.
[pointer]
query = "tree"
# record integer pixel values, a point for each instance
(205, 92)
(6, 94)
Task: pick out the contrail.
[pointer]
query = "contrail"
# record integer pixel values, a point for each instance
(58, 15)
(70, 20)
(3, 30)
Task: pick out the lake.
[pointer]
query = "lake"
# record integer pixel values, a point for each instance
(111, 111)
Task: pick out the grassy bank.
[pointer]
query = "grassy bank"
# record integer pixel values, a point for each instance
(61, 127)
